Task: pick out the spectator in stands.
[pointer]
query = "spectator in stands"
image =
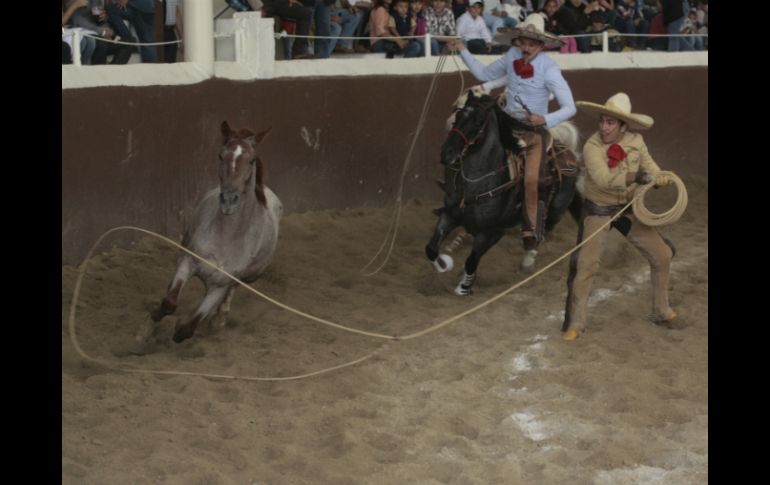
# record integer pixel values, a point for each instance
(172, 29)
(690, 26)
(550, 7)
(473, 30)
(417, 12)
(629, 20)
(292, 9)
(364, 7)
(441, 22)
(529, 6)
(322, 15)
(141, 15)
(606, 10)
(703, 21)
(572, 18)
(378, 27)
(345, 20)
(674, 15)
(657, 27)
(459, 7)
(495, 17)
(87, 44)
(615, 42)
(514, 10)
(401, 24)
(84, 17)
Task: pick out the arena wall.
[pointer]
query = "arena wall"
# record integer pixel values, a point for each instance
(143, 155)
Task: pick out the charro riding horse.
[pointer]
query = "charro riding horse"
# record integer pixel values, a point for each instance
(483, 193)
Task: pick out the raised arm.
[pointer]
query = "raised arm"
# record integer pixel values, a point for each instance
(560, 89)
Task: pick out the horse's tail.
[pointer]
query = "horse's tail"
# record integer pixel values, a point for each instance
(566, 133)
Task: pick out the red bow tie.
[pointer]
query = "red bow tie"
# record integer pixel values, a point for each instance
(523, 70)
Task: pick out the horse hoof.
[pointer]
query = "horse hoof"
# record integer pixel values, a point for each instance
(183, 333)
(465, 287)
(528, 263)
(462, 291)
(145, 331)
(443, 263)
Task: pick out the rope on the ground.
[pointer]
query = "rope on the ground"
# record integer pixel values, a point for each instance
(76, 295)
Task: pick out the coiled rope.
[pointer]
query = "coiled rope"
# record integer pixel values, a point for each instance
(649, 218)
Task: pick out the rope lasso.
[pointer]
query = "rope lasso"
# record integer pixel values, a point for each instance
(123, 368)
(81, 272)
(393, 227)
(648, 218)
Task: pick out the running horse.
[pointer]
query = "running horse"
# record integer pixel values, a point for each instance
(483, 193)
(235, 226)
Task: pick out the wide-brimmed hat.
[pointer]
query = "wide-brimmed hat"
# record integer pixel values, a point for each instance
(533, 27)
(619, 106)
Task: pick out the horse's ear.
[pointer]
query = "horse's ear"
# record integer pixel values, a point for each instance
(261, 135)
(226, 131)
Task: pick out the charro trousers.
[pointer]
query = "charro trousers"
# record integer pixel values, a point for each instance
(585, 262)
(533, 209)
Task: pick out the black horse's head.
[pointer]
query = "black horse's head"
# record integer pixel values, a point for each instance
(470, 122)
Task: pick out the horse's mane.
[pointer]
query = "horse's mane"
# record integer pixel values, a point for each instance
(259, 189)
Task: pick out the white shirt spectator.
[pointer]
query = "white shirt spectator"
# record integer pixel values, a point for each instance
(469, 28)
(490, 5)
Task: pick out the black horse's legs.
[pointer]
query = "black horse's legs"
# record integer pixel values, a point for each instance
(576, 207)
(482, 241)
(444, 226)
(560, 202)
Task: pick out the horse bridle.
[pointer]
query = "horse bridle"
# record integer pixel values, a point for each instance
(467, 144)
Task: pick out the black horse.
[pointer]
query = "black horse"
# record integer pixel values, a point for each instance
(479, 192)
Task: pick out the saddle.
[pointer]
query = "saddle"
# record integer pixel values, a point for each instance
(560, 160)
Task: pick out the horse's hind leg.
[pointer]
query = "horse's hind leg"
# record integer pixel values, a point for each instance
(211, 300)
(444, 226)
(482, 241)
(170, 301)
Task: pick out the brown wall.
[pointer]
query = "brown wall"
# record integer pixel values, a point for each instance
(143, 155)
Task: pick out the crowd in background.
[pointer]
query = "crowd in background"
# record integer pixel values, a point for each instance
(386, 26)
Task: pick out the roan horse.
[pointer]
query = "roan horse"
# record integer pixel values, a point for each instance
(479, 192)
(234, 226)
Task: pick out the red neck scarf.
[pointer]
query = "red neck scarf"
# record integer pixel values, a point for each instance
(523, 70)
(615, 153)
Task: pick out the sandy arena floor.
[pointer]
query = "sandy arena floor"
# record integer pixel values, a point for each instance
(494, 398)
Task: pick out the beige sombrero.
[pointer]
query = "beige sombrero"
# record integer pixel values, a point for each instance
(619, 106)
(533, 27)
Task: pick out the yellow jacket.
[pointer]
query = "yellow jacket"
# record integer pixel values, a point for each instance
(607, 186)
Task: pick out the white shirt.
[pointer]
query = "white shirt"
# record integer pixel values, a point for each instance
(534, 91)
(470, 28)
